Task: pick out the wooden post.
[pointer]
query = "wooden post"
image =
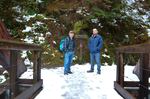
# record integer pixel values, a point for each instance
(120, 69)
(35, 66)
(13, 73)
(39, 66)
(144, 77)
(81, 51)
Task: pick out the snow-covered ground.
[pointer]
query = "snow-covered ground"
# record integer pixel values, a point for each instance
(80, 84)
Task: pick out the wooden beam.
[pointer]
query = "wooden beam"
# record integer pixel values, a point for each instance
(39, 62)
(35, 66)
(30, 92)
(131, 84)
(81, 36)
(120, 69)
(25, 81)
(144, 76)
(13, 73)
(139, 48)
(36, 93)
(134, 50)
(125, 94)
(15, 45)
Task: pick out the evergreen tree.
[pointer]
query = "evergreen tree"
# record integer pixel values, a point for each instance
(120, 23)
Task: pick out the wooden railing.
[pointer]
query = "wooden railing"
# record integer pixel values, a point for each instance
(143, 50)
(14, 47)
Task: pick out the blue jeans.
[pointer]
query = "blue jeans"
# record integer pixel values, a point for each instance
(95, 57)
(68, 61)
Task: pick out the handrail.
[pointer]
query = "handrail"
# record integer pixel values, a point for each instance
(16, 45)
(14, 71)
(139, 48)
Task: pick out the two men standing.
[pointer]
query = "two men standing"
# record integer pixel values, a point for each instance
(95, 44)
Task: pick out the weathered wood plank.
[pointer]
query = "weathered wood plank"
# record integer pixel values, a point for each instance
(25, 81)
(27, 94)
(120, 69)
(144, 77)
(16, 45)
(81, 36)
(39, 62)
(139, 48)
(125, 94)
(13, 73)
(35, 66)
(131, 84)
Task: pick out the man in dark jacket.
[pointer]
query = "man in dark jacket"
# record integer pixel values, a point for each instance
(95, 44)
(69, 48)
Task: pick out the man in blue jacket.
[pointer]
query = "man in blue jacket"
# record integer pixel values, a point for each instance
(69, 49)
(95, 44)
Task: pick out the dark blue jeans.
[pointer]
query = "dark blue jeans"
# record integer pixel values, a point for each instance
(68, 61)
(95, 57)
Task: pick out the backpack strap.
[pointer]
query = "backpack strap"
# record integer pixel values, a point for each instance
(66, 44)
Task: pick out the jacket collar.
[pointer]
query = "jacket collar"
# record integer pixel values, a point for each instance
(70, 38)
(94, 36)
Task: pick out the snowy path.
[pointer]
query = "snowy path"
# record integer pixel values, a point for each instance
(80, 85)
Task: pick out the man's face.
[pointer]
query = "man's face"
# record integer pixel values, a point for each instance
(71, 35)
(95, 31)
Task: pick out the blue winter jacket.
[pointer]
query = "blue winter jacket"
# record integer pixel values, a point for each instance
(95, 43)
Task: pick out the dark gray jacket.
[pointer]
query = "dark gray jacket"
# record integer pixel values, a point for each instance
(69, 44)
